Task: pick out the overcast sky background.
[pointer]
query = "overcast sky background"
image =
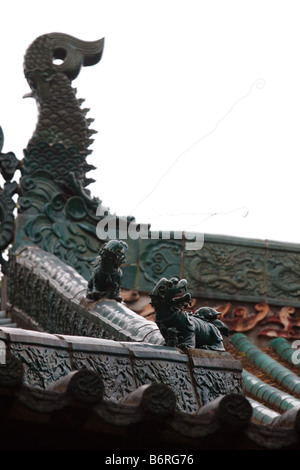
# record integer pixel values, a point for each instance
(196, 104)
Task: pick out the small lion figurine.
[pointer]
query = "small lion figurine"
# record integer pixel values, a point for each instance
(107, 274)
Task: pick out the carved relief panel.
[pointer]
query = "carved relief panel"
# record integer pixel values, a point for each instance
(174, 374)
(116, 372)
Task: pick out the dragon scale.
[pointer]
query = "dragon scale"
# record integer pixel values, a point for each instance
(62, 122)
(55, 210)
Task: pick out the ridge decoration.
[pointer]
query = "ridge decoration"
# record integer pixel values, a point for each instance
(55, 209)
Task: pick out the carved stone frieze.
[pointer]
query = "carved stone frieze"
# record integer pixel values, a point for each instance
(226, 269)
(213, 383)
(116, 372)
(42, 365)
(158, 259)
(215, 374)
(248, 270)
(174, 374)
(284, 275)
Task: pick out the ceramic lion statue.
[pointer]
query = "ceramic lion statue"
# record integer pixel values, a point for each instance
(201, 329)
(105, 281)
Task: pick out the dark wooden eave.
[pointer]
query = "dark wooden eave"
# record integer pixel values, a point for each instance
(73, 414)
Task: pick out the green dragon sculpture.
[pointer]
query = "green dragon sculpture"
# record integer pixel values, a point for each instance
(55, 209)
(61, 119)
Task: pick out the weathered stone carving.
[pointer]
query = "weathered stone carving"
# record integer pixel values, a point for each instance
(61, 118)
(56, 211)
(200, 329)
(174, 374)
(249, 270)
(7, 219)
(159, 259)
(116, 372)
(105, 281)
(8, 161)
(42, 366)
(84, 385)
(284, 275)
(59, 224)
(213, 383)
(8, 165)
(226, 269)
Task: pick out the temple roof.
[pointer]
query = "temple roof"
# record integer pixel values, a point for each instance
(127, 355)
(69, 393)
(81, 371)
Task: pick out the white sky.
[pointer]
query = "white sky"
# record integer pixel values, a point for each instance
(196, 104)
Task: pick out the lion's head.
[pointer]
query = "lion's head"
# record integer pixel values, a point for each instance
(114, 252)
(171, 293)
